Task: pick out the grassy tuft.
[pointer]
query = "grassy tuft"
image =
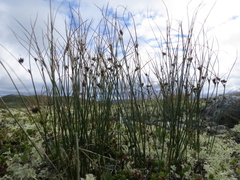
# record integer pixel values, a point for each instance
(103, 111)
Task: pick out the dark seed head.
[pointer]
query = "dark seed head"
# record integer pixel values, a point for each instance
(137, 68)
(35, 110)
(223, 81)
(87, 68)
(102, 72)
(121, 32)
(84, 84)
(215, 81)
(21, 60)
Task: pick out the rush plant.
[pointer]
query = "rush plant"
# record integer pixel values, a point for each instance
(102, 110)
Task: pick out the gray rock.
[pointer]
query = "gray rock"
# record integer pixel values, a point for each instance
(224, 110)
(219, 129)
(235, 133)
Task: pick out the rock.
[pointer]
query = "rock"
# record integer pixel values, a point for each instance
(224, 110)
(219, 116)
(235, 133)
(219, 129)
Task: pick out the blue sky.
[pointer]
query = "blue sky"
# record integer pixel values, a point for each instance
(223, 24)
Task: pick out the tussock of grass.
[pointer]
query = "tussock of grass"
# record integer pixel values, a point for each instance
(100, 101)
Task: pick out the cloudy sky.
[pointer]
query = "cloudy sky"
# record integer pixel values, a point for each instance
(222, 25)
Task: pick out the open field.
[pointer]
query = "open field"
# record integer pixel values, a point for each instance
(20, 159)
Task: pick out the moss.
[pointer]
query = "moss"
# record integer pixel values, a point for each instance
(211, 177)
(13, 142)
(3, 165)
(15, 145)
(31, 132)
(119, 177)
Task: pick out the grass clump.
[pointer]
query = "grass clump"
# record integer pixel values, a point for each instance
(103, 112)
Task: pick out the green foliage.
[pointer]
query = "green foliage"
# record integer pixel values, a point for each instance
(184, 170)
(12, 142)
(3, 165)
(159, 176)
(234, 162)
(211, 177)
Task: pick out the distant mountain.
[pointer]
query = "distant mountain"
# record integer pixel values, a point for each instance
(235, 91)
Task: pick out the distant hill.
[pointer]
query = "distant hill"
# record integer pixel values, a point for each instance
(18, 101)
(234, 91)
(13, 100)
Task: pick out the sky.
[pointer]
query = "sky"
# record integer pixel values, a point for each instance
(221, 18)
